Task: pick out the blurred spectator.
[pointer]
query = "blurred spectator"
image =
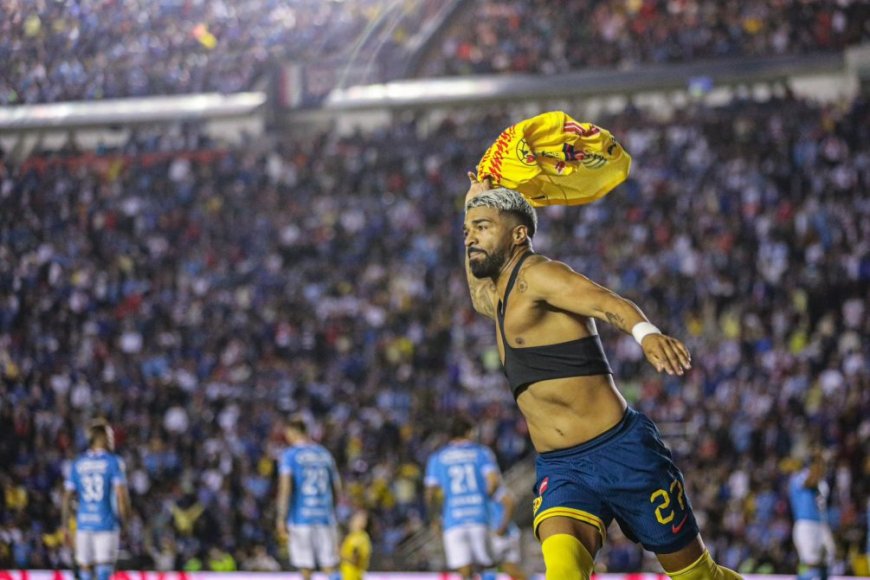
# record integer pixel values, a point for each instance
(261, 561)
(164, 558)
(198, 298)
(220, 561)
(69, 50)
(64, 50)
(537, 36)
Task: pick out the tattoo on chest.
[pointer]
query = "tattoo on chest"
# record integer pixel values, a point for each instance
(615, 319)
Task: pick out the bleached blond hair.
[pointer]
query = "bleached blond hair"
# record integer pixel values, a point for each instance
(510, 201)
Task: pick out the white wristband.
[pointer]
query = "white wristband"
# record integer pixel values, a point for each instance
(642, 329)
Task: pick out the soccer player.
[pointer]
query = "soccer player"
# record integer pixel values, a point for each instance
(504, 533)
(356, 551)
(97, 479)
(808, 495)
(598, 458)
(308, 490)
(467, 475)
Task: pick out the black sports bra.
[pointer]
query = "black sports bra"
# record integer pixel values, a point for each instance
(527, 365)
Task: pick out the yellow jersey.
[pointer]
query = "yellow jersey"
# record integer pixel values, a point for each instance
(554, 160)
(360, 544)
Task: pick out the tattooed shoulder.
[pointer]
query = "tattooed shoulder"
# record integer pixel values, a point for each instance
(522, 285)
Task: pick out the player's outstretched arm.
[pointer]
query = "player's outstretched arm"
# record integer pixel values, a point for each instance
(482, 290)
(561, 287)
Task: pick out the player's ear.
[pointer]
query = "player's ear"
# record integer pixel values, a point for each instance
(520, 234)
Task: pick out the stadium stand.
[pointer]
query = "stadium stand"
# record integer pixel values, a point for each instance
(196, 295)
(541, 37)
(94, 49)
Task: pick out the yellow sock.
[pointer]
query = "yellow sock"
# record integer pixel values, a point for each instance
(566, 558)
(705, 568)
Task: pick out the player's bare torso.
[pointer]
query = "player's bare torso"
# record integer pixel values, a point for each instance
(562, 412)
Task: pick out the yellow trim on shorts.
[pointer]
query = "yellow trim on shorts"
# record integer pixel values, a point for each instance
(572, 513)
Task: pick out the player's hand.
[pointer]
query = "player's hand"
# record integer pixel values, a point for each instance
(281, 529)
(68, 539)
(501, 530)
(666, 354)
(476, 187)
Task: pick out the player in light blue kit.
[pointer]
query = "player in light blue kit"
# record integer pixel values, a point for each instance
(808, 494)
(504, 533)
(468, 475)
(307, 493)
(97, 479)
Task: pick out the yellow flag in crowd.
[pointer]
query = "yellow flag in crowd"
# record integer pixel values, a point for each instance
(204, 36)
(554, 160)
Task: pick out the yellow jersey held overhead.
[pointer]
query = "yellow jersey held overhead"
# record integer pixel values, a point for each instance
(554, 160)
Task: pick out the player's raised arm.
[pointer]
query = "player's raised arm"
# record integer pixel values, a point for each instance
(482, 289)
(559, 286)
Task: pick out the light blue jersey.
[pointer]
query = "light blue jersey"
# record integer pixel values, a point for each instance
(313, 473)
(496, 512)
(808, 503)
(460, 470)
(94, 477)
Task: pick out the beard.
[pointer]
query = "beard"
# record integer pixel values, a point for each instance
(489, 266)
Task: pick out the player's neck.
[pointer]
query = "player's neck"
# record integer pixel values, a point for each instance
(505, 273)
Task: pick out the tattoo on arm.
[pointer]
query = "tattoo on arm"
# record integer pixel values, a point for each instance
(615, 319)
(522, 285)
(481, 292)
(482, 301)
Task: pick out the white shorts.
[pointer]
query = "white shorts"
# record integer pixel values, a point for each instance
(506, 548)
(312, 547)
(94, 548)
(814, 543)
(467, 545)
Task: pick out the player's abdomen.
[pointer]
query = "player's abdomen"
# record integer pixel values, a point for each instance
(563, 413)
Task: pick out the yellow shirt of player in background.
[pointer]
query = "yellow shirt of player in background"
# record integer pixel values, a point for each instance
(359, 543)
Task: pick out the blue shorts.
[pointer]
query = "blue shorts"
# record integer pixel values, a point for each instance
(625, 473)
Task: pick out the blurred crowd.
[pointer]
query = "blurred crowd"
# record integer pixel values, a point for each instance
(67, 50)
(544, 37)
(197, 298)
(63, 50)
